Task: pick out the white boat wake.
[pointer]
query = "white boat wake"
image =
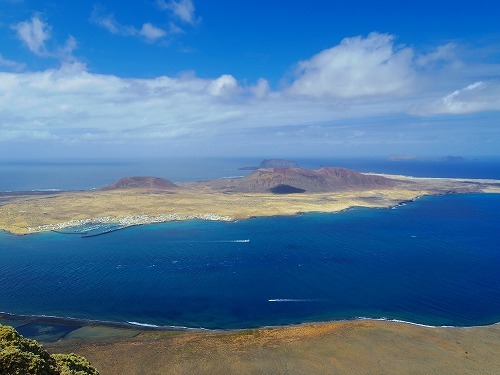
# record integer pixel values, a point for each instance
(292, 300)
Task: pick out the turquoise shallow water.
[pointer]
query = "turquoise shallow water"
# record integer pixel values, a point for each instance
(435, 261)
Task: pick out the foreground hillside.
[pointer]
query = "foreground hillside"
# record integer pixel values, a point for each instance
(23, 356)
(356, 347)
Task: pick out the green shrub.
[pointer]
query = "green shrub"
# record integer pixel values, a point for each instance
(21, 356)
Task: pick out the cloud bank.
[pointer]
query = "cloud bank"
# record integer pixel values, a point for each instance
(359, 79)
(357, 67)
(479, 96)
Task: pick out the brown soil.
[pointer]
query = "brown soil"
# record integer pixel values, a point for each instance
(357, 347)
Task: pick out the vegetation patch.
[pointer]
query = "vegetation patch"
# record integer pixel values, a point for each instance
(19, 355)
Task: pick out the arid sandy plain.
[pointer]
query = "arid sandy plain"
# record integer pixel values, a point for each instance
(23, 213)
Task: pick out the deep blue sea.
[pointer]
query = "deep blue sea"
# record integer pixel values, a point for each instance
(434, 261)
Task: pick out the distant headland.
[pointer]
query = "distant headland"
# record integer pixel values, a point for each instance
(272, 163)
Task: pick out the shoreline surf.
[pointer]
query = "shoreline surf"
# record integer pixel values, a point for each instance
(48, 319)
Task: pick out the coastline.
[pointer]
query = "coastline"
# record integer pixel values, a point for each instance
(124, 222)
(131, 325)
(362, 345)
(343, 347)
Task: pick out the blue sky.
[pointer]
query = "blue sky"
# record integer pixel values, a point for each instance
(248, 78)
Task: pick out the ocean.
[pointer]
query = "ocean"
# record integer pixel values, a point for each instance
(434, 261)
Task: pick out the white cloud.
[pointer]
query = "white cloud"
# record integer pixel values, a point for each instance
(357, 67)
(183, 9)
(445, 52)
(74, 105)
(34, 33)
(69, 101)
(148, 31)
(174, 29)
(12, 135)
(261, 89)
(224, 85)
(151, 33)
(479, 96)
(66, 52)
(107, 21)
(13, 65)
(71, 105)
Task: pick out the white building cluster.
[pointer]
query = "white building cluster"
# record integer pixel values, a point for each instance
(131, 220)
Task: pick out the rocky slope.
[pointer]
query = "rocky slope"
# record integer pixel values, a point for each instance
(296, 180)
(140, 182)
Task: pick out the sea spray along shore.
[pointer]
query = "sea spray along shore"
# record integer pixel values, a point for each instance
(266, 192)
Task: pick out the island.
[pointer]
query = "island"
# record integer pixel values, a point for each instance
(272, 163)
(141, 200)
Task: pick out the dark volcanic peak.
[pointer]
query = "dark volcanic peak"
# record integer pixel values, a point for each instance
(140, 182)
(319, 180)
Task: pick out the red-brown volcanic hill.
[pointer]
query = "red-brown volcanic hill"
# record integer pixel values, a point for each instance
(319, 180)
(140, 182)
